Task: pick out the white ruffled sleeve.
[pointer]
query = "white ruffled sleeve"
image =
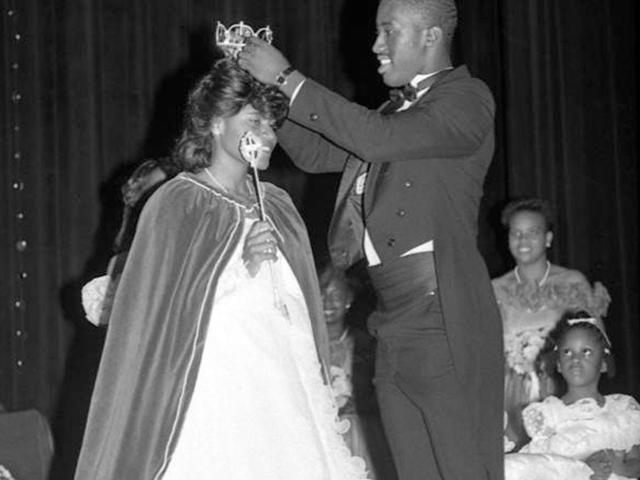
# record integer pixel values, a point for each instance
(624, 416)
(94, 294)
(540, 419)
(5, 474)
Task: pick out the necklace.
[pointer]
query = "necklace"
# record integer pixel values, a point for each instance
(214, 180)
(542, 280)
(225, 190)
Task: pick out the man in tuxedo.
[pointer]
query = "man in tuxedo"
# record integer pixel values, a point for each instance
(408, 203)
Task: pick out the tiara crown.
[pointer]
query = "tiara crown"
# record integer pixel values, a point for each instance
(233, 39)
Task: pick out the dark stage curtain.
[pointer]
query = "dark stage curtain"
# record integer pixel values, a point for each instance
(568, 104)
(91, 87)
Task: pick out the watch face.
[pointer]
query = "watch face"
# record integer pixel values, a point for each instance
(281, 79)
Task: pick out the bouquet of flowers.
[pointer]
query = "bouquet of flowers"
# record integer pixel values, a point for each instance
(340, 385)
(522, 349)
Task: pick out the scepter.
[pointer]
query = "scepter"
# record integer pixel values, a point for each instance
(251, 149)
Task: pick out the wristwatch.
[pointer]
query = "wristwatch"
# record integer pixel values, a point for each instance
(281, 78)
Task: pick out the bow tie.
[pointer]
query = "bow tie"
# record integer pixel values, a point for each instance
(407, 93)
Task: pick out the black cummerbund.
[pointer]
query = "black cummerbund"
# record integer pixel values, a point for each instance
(404, 287)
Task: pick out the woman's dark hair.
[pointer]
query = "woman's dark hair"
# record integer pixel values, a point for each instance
(331, 273)
(570, 321)
(166, 164)
(529, 204)
(222, 93)
(135, 193)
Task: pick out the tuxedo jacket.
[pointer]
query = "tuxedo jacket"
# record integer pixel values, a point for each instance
(425, 171)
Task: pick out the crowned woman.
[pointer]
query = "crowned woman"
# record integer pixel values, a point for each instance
(213, 362)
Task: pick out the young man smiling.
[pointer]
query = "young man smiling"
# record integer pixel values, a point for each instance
(408, 203)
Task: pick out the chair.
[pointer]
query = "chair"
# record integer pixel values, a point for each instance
(26, 444)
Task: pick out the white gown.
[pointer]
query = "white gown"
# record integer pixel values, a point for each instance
(260, 409)
(564, 436)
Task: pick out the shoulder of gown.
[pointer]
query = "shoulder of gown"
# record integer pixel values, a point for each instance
(566, 290)
(541, 418)
(622, 417)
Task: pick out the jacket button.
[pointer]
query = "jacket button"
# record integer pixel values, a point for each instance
(391, 242)
(408, 183)
(400, 212)
(313, 117)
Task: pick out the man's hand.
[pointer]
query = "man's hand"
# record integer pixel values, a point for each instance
(262, 60)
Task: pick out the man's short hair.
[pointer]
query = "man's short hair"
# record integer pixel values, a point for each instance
(441, 13)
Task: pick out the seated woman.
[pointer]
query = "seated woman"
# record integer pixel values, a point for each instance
(213, 361)
(532, 297)
(582, 435)
(352, 352)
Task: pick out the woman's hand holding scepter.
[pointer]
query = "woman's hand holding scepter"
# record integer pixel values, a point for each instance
(251, 149)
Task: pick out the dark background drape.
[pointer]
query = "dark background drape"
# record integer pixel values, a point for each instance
(91, 87)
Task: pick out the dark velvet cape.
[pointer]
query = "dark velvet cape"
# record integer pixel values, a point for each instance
(157, 329)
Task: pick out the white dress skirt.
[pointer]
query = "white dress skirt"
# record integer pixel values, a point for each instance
(260, 409)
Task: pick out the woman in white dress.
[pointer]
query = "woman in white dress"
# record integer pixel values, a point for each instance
(213, 364)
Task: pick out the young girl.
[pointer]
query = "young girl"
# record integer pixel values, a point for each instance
(583, 435)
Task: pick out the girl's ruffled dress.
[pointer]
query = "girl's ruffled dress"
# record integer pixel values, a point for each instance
(529, 312)
(563, 436)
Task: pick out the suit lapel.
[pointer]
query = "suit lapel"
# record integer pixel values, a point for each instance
(377, 171)
(346, 230)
